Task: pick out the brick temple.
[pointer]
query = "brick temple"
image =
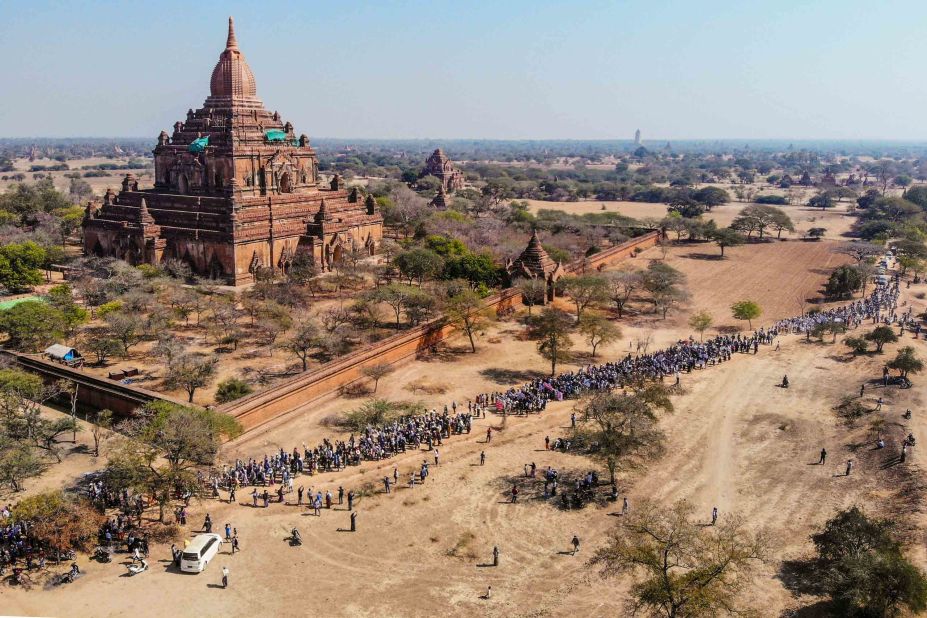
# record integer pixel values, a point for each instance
(440, 166)
(235, 190)
(535, 263)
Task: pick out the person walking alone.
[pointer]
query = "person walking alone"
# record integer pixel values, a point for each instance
(495, 555)
(482, 457)
(714, 515)
(823, 457)
(575, 543)
(225, 577)
(849, 467)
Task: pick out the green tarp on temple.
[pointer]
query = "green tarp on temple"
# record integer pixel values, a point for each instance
(198, 145)
(275, 135)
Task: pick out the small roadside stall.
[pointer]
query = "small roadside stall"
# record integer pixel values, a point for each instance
(63, 354)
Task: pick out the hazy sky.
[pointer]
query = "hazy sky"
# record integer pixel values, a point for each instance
(507, 69)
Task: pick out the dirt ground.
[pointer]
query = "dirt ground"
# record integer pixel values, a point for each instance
(835, 220)
(734, 441)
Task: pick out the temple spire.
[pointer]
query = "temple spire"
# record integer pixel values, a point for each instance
(232, 42)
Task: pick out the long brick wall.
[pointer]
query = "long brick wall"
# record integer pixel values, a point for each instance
(98, 393)
(327, 380)
(93, 392)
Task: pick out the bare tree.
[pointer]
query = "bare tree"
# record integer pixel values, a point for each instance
(621, 285)
(859, 251)
(190, 372)
(304, 339)
(377, 373)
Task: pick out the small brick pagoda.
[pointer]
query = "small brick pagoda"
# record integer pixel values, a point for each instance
(535, 263)
(440, 166)
(235, 190)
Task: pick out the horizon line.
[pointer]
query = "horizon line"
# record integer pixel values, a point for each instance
(652, 140)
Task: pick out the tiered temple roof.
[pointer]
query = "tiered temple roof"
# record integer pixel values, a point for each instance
(534, 262)
(234, 187)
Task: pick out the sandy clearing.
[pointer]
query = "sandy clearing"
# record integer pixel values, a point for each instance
(836, 221)
(735, 441)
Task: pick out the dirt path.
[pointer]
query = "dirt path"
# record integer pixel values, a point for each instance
(735, 441)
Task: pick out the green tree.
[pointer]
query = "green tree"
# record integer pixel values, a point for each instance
(22, 419)
(816, 233)
(598, 330)
(758, 217)
(711, 197)
(32, 325)
(551, 329)
(881, 335)
(906, 362)
(621, 428)
(18, 462)
(664, 283)
(584, 291)
(97, 342)
(231, 389)
(69, 222)
(684, 568)
(465, 310)
(726, 237)
(21, 266)
(419, 264)
(61, 297)
(700, 322)
(746, 310)
(843, 281)
(858, 345)
(398, 296)
(861, 567)
(166, 445)
(821, 200)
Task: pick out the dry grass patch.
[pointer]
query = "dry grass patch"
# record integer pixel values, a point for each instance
(463, 548)
(423, 385)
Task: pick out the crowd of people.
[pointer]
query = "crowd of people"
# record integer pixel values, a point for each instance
(277, 473)
(881, 307)
(372, 444)
(378, 442)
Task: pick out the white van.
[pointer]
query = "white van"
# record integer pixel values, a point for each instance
(199, 552)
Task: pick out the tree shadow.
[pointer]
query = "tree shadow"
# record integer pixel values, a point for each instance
(568, 497)
(800, 577)
(818, 609)
(504, 376)
(710, 257)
